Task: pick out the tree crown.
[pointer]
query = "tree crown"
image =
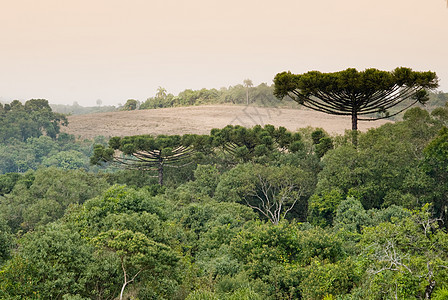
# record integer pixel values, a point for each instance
(352, 83)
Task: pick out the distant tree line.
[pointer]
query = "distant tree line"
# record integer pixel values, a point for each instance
(261, 95)
(76, 109)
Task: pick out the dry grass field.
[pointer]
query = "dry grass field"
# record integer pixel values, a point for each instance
(201, 119)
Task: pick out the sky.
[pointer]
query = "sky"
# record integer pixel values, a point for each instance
(113, 50)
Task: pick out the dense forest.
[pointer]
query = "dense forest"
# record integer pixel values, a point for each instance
(240, 213)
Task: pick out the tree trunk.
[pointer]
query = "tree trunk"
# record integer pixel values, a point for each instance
(355, 128)
(429, 289)
(160, 170)
(122, 289)
(125, 279)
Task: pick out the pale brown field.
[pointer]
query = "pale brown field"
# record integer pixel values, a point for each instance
(201, 119)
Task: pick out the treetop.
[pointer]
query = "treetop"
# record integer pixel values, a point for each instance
(352, 82)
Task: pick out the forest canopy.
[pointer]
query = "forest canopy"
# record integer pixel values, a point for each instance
(246, 213)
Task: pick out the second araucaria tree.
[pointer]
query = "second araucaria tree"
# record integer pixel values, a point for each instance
(354, 93)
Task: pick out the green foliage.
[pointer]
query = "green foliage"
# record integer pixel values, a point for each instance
(436, 153)
(130, 225)
(364, 84)
(51, 262)
(354, 93)
(271, 191)
(67, 160)
(136, 250)
(209, 227)
(133, 178)
(440, 113)
(317, 134)
(206, 179)
(5, 241)
(64, 152)
(145, 152)
(23, 156)
(202, 187)
(323, 146)
(340, 170)
(440, 294)
(213, 224)
(404, 257)
(322, 142)
(385, 168)
(150, 153)
(282, 256)
(131, 104)
(7, 182)
(200, 237)
(202, 295)
(325, 279)
(390, 214)
(436, 166)
(351, 216)
(33, 119)
(245, 144)
(18, 280)
(122, 208)
(322, 208)
(261, 95)
(73, 297)
(43, 196)
(244, 294)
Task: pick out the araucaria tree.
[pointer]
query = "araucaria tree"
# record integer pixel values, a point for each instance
(145, 152)
(246, 143)
(353, 93)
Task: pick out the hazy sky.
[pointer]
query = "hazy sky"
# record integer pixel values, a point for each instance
(114, 50)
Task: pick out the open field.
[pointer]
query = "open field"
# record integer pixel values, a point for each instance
(201, 119)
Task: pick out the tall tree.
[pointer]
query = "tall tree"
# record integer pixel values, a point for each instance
(145, 152)
(272, 191)
(137, 253)
(406, 259)
(161, 93)
(248, 84)
(353, 93)
(435, 164)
